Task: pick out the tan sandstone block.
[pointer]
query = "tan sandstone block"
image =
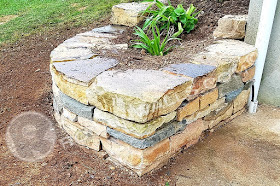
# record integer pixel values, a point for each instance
(204, 76)
(62, 53)
(140, 161)
(229, 119)
(204, 112)
(204, 83)
(208, 98)
(187, 137)
(231, 27)
(245, 54)
(247, 61)
(137, 130)
(138, 95)
(151, 154)
(57, 117)
(224, 114)
(69, 115)
(229, 56)
(128, 14)
(81, 135)
(72, 90)
(248, 74)
(122, 152)
(190, 108)
(226, 65)
(241, 100)
(238, 113)
(93, 126)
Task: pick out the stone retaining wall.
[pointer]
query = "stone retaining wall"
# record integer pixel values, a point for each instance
(143, 117)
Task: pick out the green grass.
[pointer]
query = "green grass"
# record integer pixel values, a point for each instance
(35, 16)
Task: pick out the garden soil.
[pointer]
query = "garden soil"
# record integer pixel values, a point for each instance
(25, 85)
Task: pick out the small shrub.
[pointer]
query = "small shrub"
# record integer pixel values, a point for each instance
(167, 13)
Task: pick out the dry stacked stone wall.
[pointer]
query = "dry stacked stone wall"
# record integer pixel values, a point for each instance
(143, 117)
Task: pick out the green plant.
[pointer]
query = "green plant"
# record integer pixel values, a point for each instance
(155, 46)
(167, 13)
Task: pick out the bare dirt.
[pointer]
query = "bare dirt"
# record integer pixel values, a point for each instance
(7, 18)
(244, 152)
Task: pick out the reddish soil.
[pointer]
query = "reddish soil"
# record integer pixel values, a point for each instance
(26, 85)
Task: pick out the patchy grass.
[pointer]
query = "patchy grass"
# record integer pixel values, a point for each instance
(34, 16)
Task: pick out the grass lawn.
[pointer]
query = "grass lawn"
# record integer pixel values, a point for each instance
(33, 16)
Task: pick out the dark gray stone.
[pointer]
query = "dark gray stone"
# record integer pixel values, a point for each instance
(85, 70)
(248, 85)
(77, 107)
(190, 69)
(235, 83)
(162, 133)
(232, 95)
(110, 29)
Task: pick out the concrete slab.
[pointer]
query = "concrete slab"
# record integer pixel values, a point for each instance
(244, 152)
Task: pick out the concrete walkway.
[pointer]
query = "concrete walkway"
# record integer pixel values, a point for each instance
(244, 152)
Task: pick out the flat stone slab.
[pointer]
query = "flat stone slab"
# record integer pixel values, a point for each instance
(231, 27)
(232, 95)
(76, 107)
(85, 70)
(62, 100)
(245, 53)
(231, 48)
(164, 132)
(71, 88)
(229, 56)
(241, 100)
(204, 112)
(138, 95)
(80, 134)
(96, 41)
(62, 53)
(87, 45)
(232, 88)
(190, 69)
(137, 130)
(204, 75)
(226, 65)
(110, 29)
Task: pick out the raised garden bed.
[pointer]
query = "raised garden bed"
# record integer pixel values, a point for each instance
(142, 117)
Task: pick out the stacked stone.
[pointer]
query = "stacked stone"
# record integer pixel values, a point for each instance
(143, 117)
